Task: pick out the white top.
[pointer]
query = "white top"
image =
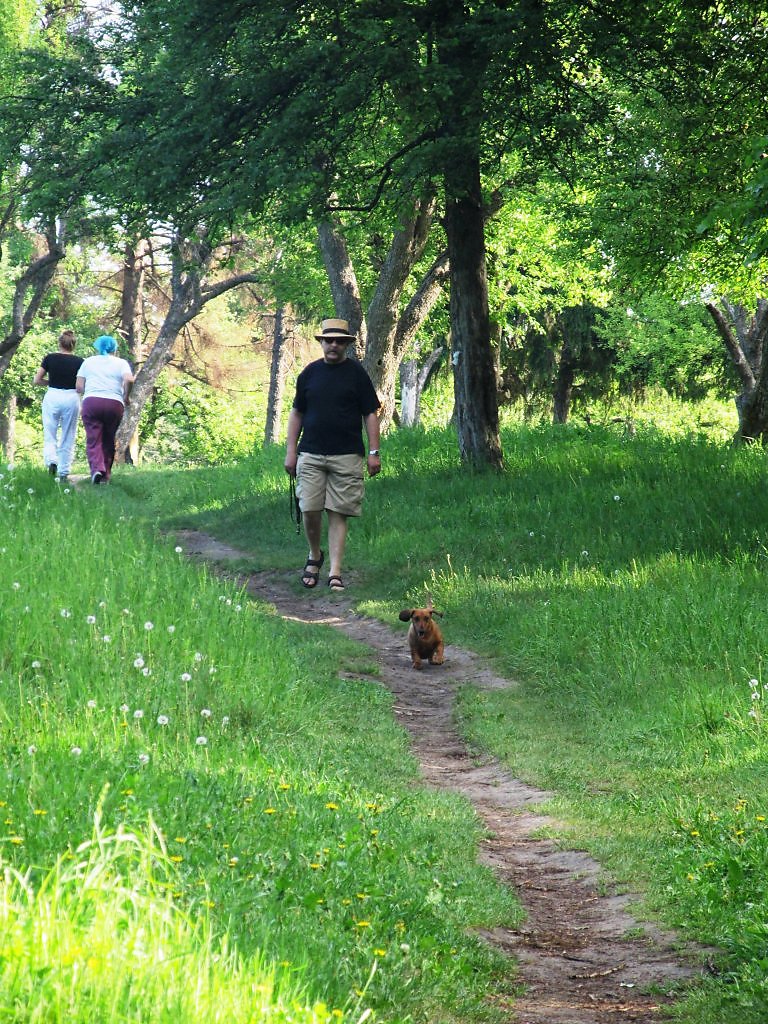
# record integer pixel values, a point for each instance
(104, 376)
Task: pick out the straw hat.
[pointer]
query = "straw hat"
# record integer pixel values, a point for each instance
(335, 330)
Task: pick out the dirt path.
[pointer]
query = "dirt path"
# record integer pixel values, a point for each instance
(582, 956)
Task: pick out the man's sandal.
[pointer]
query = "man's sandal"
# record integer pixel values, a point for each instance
(308, 578)
(336, 583)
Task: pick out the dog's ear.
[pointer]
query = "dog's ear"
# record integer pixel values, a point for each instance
(406, 614)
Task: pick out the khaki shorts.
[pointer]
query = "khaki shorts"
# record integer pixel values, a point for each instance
(332, 482)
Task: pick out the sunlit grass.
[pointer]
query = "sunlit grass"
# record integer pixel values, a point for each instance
(290, 851)
(618, 576)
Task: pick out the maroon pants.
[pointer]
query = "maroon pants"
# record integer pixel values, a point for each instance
(101, 418)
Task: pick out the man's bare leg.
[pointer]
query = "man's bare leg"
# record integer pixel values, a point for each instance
(337, 540)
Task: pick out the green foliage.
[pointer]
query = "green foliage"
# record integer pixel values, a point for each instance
(660, 342)
(189, 422)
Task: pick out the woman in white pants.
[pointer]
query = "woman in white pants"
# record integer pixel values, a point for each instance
(61, 404)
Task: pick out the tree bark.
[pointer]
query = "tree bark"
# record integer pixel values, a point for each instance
(566, 371)
(284, 327)
(342, 279)
(132, 318)
(30, 289)
(190, 262)
(412, 383)
(8, 428)
(745, 344)
(475, 386)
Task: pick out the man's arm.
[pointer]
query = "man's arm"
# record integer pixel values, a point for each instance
(373, 430)
(295, 421)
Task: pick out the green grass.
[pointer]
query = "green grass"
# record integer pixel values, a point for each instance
(618, 577)
(218, 764)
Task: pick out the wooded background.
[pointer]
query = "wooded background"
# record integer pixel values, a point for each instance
(547, 202)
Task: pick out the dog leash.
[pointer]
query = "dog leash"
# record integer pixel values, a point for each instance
(295, 507)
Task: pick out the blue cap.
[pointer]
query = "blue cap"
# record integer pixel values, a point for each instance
(105, 344)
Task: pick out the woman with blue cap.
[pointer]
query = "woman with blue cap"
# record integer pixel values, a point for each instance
(104, 381)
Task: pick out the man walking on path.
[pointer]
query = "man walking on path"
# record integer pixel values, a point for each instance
(334, 400)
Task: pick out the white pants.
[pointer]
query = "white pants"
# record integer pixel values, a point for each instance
(61, 410)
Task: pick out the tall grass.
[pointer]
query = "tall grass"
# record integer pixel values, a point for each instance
(619, 577)
(193, 822)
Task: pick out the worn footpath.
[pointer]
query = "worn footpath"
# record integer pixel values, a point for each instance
(581, 955)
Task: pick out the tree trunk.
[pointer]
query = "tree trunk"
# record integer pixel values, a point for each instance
(412, 383)
(745, 344)
(477, 411)
(278, 373)
(190, 262)
(343, 282)
(30, 289)
(566, 372)
(132, 319)
(385, 333)
(8, 428)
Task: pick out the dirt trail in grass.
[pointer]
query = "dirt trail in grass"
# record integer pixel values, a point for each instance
(581, 956)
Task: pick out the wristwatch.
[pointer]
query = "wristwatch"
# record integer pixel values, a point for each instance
(374, 451)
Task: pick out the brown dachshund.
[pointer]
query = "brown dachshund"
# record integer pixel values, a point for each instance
(424, 637)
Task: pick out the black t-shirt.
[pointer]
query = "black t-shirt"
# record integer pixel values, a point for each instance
(61, 368)
(333, 399)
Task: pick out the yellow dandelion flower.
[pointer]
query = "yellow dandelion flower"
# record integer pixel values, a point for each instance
(330, 806)
(739, 832)
(346, 902)
(209, 903)
(374, 832)
(8, 821)
(127, 792)
(694, 832)
(363, 924)
(39, 812)
(269, 810)
(284, 786)
(315, 866)
(177, 858)
(362, 895)
(759, 817)
(180, 839)
(400, 926)
(690, 877)
(337, 1013)
(379, 952)
(248, 800)
(3, 803)
(233, 861)
(285, 963)
(371, 807)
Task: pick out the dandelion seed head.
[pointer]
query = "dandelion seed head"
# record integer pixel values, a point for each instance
(30, 490)
(178, 549)
(124, 708)
(205, 713)
(90, 619)
(16, 586)
(201, 741)
(171, 629)
(146, 671)
(198, 656)
(185, 677)
(149, 625)
(91, 704)
(31, 749)
(225, 720)
(138, 662)
(162, 719)
(76, 751)
(35, 664)
(138, 713)
(65, 613)
(143, 758)
(107, 638)
(617, 497)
